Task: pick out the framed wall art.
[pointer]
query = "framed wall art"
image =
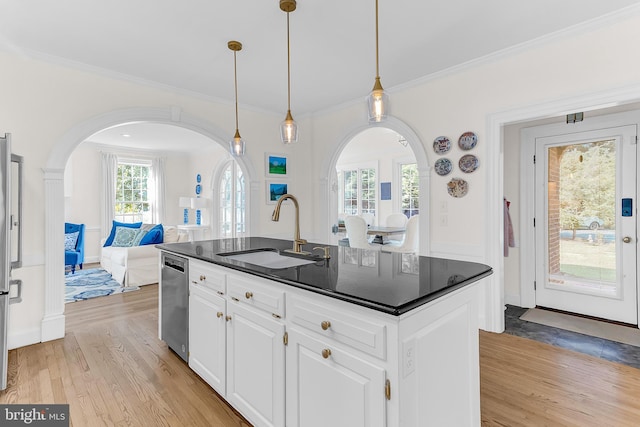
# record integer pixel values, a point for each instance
(277, 165)
(275, 190)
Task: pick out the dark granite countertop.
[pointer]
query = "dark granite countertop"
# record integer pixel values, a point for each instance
(389, 282)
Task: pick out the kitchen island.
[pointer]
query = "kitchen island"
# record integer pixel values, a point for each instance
(361, 338)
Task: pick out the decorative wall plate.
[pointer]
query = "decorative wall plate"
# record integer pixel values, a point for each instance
(441, 144)
(468, 163)
(457, 187)
(467, 140)
(443, 166)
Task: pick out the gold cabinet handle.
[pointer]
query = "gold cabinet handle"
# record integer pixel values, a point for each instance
(326, 353)
(219, 314)
(227, 318)
(248, 295)
(203, 278)
(325, 325)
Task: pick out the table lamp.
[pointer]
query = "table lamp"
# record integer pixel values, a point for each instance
(198, 203)
(185, 202)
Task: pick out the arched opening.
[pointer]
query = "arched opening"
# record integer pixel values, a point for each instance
(53, 320)
(402, 147)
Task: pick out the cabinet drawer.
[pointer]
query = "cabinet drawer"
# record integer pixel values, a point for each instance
(330, 322)
(205, 275)
(255, 292)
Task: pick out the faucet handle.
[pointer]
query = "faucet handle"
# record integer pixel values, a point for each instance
(326, 251)
(301, 241)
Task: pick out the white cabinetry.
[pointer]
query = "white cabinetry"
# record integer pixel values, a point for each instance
(327, 385)
(207, 329)
(236, 340)
(343, 365)
(255, 365)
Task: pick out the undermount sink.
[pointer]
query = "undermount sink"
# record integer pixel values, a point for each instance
(268, 258)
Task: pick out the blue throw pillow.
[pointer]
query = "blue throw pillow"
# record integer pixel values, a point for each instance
(70, 240)
(124, 237)
(109, 240)
(153, 236)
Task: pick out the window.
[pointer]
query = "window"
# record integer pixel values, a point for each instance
(134, 188)
(358, 190)
(410, 189)
(232, 201)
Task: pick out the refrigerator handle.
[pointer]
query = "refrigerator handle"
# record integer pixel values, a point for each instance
(19, 160)
(17, 298)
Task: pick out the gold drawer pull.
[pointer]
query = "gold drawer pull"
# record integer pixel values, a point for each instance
(219, 314)
(326, 353)
(228, 318)
(202, 278)
(248, 295)
(325, 325)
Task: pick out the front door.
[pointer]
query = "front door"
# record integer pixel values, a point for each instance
(586, 223)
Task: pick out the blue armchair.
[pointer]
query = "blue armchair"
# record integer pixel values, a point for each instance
(75, 256)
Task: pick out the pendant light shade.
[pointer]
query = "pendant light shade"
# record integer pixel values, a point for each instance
(236, 145)
(288, 128)
(378, 100)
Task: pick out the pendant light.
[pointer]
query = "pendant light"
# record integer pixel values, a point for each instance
(236, 145)
(378, 100)
(288, 128)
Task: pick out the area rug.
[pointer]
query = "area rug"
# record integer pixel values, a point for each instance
(581, 325)
(91, 283)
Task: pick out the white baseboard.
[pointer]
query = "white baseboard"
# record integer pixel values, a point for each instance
(23, 338)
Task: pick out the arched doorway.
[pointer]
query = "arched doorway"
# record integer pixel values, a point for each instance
(53, 325)
(330, 180)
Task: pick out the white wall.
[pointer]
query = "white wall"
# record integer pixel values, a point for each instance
(41, 103)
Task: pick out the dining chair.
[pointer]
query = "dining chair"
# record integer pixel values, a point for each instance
(356, 228)
(369, 218)
(411, 239)
(396, 220)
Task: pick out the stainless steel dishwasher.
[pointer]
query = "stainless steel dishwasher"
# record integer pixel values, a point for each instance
(175, 303)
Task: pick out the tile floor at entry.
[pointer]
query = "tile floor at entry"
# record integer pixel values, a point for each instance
(594, 346)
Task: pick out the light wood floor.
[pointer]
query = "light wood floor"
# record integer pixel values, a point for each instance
(112, 370)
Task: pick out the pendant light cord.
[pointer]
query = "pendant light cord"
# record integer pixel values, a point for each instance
(235, 81)
(289, 68)
(377, 60)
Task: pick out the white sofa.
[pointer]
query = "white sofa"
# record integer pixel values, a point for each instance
(137, 265)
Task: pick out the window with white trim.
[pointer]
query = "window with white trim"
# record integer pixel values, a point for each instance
(357, 188)
(134, 190)
(231, 189)
(409, 189)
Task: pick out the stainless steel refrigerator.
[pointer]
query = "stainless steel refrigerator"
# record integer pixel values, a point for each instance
(10, 241)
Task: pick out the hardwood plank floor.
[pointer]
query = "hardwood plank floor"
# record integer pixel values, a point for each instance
(112, 370)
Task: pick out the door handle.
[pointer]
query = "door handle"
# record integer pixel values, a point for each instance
(626, 239)
(17, 298)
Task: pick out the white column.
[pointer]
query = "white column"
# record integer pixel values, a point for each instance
(53, 319)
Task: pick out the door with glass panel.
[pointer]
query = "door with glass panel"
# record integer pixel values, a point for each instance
(586, 223)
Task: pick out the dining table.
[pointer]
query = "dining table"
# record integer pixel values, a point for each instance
(380, 233)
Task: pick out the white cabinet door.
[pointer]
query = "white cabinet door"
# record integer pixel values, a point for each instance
(207, 337)
(255, 365)
(327, 386)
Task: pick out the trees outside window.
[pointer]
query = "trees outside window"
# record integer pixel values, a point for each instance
(133, 189)
(410, 189)
(358, 189)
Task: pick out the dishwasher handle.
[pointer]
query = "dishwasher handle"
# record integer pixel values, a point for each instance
(175, 264)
